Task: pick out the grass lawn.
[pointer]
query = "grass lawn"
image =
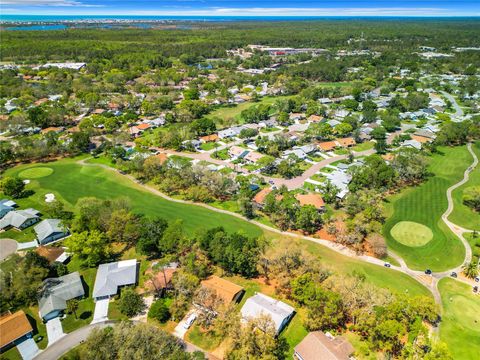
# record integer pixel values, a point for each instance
(462, 215)
(363, 146)
(460, 327)
(71, 181)
(425, 204)
(203, 339)
(26, 235)
(410, 233)
(208, 146)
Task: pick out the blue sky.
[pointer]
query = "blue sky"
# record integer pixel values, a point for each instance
(243, 7)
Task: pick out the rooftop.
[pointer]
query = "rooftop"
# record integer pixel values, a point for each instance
(113, 275)
(13, 326)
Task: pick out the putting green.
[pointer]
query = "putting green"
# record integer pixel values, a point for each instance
(36, 172)
(411, 233)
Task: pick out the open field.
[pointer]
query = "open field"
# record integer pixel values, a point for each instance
(462, 215)
(460, 327)
(70, 182)
(425, 204)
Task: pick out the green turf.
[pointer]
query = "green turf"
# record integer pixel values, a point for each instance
(411, 233)
(363, 146)
(71, 181)
(460, 327)
(425, 204)
(462, 215)
(35, 172)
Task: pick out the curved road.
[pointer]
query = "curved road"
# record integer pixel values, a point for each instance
(458, 109)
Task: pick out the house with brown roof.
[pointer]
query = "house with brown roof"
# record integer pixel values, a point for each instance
(346, 142)
(311, 199)
(160, 279)
(259, 198)
(318, 345)
(328, 145)
(225, 290)
(13, 328)
(315, 118)
(52, 253)
(421, 139)
(209, 138)
(252, 157)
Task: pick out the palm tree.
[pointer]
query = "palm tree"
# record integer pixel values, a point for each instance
(72, 307)
(471, 269)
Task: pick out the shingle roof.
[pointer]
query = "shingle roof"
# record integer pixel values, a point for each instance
(112, 275)
(317, 345)
(56, 292)
(226, 290)
(13, 326)
(17, 218)
(48, 227)
(261, 304)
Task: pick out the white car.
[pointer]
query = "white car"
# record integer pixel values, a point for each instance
(190, 320)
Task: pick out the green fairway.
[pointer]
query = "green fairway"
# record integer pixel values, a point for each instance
(71, 181)
(35, 172)
(462, 215)
(411, 233)
(424, 204)
(460, 327)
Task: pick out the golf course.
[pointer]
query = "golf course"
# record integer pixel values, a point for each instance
(462, 215)
(460, 327)
(414, 228)
(71, 181)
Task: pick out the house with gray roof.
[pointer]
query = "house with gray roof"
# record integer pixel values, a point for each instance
(112, 276)
(56, 292)
(261, 304)
(5, 208)
(20, 219)
(50, 230)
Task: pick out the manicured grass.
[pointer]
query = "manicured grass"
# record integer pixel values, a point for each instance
(363, 146)
(35, 172)
(425, 204)
(411, 233)
(203, 339)
(25, 235)
(71, 181)
(208, 146)
(460, 327)
(463, 215)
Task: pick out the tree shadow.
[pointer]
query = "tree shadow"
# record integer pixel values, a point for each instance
(85, 315)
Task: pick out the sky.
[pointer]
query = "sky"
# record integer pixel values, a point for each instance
(243, 7)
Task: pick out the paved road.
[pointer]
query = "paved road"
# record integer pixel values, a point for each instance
(456, 106)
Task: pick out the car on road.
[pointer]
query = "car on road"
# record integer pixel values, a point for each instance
(453, 274)
(428, 272)
(477, 279)
(387, 264)
(475, 289)
(190, 320)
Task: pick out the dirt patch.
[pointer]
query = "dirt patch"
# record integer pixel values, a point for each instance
(7, 248)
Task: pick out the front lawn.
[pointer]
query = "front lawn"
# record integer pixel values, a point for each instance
(208, 146)
(363, 146)
(25, 235)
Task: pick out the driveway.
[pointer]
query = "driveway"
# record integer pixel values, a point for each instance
(54, 330)
(180, 330)
(142, 317)
(27, 349)
(101, 311)
(7, 248)
(27, 245)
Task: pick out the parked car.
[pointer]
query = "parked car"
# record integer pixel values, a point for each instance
(477, 279)
(428, 272)
(453, 274)
(387, 264)
(475, 289)
(190, 320)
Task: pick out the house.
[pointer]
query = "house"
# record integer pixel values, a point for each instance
(5, 208)
(230, 132)
(333, 123)
(236, 152)
(308, 149)
(52, 253)
(297, 152)
(49, 230)
(315, 118)
(56, 292)
(225, 290)
(328, 145)
(311, 199)
(14, 328)
(412, 143)
(112, 276)
(318, 345)
(209, 138)
(346, 142)
(296, 116)
(160, 280)
(340, 179)
(270, 123)
(56, 130)
(252, 157)
(261, 304)
(325, 101)
(259, 198)
(20, 219)
(341, 114)
(421, 139)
